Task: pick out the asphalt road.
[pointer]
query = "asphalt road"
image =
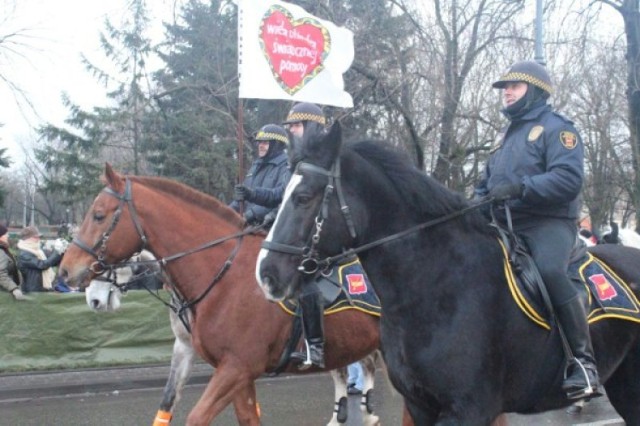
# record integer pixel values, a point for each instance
(131, 397)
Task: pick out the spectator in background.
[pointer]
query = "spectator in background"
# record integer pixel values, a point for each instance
(36, 267)
(9, 275)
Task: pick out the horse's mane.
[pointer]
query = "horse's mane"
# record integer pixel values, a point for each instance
(418, 191)
(191, 196)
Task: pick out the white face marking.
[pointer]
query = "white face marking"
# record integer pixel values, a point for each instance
(102, 297)
(293, 182)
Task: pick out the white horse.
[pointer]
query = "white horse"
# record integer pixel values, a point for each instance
(104, 296)
(613, 234)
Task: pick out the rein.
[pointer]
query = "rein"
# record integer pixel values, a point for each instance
(311, 263)
(98, 251)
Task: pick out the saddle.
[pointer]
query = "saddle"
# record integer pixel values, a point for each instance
(607, 295)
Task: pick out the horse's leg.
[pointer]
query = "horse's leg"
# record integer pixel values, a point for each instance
(182, 360)
(341, 406)
(246, 406)
(221, 390)
(366, 404)
(623, 387)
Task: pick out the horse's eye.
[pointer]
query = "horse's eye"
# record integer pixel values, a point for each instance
(99, 216)
(301, 199)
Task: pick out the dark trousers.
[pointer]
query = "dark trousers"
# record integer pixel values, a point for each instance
(550, 241)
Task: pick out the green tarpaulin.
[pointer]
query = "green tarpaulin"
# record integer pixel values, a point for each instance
(58, 330)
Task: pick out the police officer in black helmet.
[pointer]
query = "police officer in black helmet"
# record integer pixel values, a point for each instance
(268, 172)
(304, 118)
(537, 169)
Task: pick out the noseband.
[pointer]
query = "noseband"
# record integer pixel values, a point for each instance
(100, 247)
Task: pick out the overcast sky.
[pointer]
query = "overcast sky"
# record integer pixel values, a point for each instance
(48, 63)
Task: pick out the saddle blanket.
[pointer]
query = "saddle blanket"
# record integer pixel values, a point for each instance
(347, 286)
(608, 295)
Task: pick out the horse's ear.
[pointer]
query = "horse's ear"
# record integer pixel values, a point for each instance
(333, 140)
(112, 179)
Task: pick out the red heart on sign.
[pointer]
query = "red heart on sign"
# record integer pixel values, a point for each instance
(295, 50)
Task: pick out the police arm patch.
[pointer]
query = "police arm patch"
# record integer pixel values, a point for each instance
(568, 139)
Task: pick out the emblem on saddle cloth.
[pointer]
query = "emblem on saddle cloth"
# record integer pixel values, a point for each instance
(608, 295)
(347, 286)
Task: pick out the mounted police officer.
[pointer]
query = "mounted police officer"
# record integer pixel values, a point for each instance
(268, 171)
(304, 118)
(537, 169)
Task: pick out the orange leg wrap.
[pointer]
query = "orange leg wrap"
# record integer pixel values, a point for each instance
(163, 418)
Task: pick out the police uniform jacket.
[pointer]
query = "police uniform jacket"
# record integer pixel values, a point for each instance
(266, 173)
(542, 151)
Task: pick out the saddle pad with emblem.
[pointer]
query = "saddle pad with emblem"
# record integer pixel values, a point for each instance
(608, 295)
(354, 290)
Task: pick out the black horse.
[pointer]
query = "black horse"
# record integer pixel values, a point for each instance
(456, 345)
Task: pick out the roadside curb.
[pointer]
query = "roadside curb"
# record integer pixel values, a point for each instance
(33, 385)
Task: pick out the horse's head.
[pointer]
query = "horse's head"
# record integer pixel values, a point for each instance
(111, 232)
(312, 223)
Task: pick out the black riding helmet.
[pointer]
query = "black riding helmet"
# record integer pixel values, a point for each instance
(529, 72)
(277, 136)
(305, 111)
(538, 82)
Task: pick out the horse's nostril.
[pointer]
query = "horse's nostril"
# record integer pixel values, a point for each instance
(94, 304)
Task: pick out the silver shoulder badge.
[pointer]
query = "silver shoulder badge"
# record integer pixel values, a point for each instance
(535, 133)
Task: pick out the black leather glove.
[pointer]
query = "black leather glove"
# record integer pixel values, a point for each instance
(269, 219)
(511, 191)
(241, 193)
(249, 216)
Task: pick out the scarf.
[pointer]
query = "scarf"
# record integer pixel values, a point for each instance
(33, 246)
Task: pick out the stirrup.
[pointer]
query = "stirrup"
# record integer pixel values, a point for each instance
(304, 357)
(590, 390)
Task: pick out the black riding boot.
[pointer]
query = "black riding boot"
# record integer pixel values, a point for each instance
(313, 326)
(581, 378)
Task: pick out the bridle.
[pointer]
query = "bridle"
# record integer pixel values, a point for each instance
(98, 251)
(311, 262)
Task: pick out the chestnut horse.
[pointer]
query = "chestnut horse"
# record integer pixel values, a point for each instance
(209, 260)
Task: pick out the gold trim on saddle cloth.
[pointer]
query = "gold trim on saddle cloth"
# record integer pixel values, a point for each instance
(342, 303)
(516, 293)
(608, 290)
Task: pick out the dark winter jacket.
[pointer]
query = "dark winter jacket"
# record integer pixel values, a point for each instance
(31, 269)
(265, 174)
(542, 151)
